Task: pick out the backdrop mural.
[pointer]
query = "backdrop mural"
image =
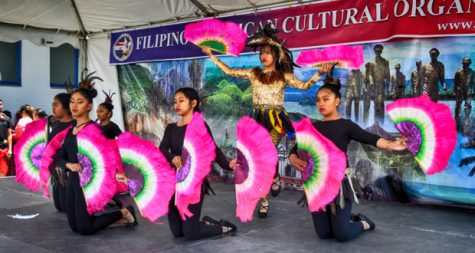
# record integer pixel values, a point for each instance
(148, 89)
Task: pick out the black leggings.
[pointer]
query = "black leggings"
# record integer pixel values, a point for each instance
(59, 197)
(191, 228)
(78, 218)
(58, 181)
(336, 226)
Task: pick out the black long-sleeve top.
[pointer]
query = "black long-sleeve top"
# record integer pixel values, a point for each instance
(69, 149)
(341, 132)
(172, 144)
(111, 130)
(57, 126)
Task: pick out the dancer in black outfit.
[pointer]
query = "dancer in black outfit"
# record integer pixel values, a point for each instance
(335, 220)
(111, 131)
(79, 219)
(186, 102)
(104, 114)
(57, 123)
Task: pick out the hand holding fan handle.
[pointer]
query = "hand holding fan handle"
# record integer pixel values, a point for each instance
(326, 67)
(396, 145)
(122, 178)
(297, 163)
(207, 50)
(233, 164)
(75, 167)
(177, 161)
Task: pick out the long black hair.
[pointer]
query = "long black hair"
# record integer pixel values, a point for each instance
(191, 94)
(64, 99)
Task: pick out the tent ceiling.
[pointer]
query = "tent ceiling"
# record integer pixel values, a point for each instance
(106, 15)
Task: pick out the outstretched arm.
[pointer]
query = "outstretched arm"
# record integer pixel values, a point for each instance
(297, 83)
(363, 136)
(239, 73)
(396, 145)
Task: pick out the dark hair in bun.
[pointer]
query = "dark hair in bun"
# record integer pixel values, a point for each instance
(89, 94)
(86, 86)
(107, 104)
(332, 84)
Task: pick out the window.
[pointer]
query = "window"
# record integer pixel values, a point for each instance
(63, 66)
(10, 63)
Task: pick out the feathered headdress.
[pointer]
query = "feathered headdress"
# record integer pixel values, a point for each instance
(108, 96)
(69, 86)
(87, 81)
(267, 36)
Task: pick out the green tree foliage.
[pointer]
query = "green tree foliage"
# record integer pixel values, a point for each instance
(228, 100)
(233, 91)
(136, 82)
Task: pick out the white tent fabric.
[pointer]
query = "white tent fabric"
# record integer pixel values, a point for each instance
(98, 51)
(104, 15)
(14, 34)
(95, 15)
(39, 13)
(68, 21)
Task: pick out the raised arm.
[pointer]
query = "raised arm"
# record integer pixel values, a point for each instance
(239, 73)
(299, 84)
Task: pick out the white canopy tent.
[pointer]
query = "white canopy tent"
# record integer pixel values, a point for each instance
(86, 24)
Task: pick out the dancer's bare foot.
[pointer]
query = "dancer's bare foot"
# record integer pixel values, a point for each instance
(126, 215)
(122, 222)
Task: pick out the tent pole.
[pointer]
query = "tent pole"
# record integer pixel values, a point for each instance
(83, 33)
(201, 7)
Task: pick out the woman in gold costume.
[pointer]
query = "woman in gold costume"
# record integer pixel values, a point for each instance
(268, 85)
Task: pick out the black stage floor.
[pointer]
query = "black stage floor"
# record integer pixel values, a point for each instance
(399, 228)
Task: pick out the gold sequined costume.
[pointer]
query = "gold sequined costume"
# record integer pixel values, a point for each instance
(268, 99)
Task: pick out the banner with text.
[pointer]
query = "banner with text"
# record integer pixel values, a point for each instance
(312, 25)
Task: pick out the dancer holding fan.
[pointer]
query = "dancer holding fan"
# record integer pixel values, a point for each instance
(257, 159)
(429, 129)
(111, 131)
(90, 163)
(62, 121)
(29, 150)
(151, 179)
(268, 87)
(188, 154)
(332, 209)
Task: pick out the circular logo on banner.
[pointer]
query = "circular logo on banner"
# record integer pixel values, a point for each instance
(123, 47)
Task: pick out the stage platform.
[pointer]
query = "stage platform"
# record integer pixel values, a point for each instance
(399, 228)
